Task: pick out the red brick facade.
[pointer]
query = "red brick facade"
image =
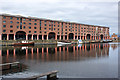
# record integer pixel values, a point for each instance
(36, 28)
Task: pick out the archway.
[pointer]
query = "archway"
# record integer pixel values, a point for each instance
(71, 36)
(51, 35)
(88, 36)
(101, 36)
(21, 35)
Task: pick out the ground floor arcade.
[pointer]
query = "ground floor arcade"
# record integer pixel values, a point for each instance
(21, 35)
(49, 37)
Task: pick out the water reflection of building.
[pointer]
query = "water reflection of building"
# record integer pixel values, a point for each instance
(114, 46)
(63, 53)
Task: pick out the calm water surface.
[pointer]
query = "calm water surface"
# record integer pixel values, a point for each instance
(99, 60)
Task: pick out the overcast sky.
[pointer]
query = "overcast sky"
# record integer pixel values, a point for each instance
(94, 12)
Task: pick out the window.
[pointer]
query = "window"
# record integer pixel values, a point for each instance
(35, 31)
(54, 28)
(4, 17)
(40, 31)
(29, 27)
(11, 21)
(29, 19)
(17, 18)
(23, 19)
(58, 25)
(24, 23)
(29, 23)
(29, 31)
(11, 17)
(44, 32)
(4, 21)
(45, 25)
(58, 29)
(4, 30)
(44, 28)
(65, 29)
(4, 25)
(49, 28)
(24, 27)
(11, 26)
(17, 26)
(11, 30)
(35, 27)
(17, 22)
(58, 32)
(40, 28)
(35, 23)
(35, 20)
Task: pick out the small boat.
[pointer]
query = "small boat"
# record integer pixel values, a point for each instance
(23, 43)
(80, 41)
(108, 40)
(105, 41)
(63, 43)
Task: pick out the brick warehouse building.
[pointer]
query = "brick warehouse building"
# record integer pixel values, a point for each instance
(14, 27)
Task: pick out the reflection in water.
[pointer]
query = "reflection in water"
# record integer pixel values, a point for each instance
(54, 53)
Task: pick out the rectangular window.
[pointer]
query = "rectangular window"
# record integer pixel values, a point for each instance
(11, 26)
(23, 19)
(29, 31)
(11, 17)
(45, 24)
(29, 19)
(11, 21)
(17, 18)
(17, 22)
(11, 30)
(35, 31)
(24, 27)
(29, 23)
(35, 27)
(35, 20)
(4, 25)
(4, 30)
(24, 23)
(17, 26)
(4, 21)
(35, 23)
(4, 17)
(40, 28)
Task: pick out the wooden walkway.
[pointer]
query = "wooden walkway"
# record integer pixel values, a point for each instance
(7, 66)
(50, 76)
